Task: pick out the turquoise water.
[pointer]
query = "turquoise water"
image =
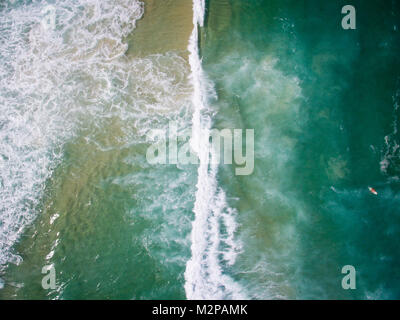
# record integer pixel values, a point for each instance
(77, 192)
(323, 102)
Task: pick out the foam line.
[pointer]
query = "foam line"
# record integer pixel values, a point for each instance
(204, 274)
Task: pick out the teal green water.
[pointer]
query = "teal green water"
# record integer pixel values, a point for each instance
(77, 192)
(322, 101)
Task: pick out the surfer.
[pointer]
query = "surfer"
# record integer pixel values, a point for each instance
(373, 191)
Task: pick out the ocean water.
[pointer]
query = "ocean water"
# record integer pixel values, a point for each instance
(323, 103)
(77, 191)
(83, 83)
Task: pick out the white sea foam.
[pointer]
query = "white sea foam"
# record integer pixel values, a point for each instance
(52, 80)
(391, 152)
(211, 249)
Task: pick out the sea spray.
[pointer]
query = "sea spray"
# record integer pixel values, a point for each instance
(204, 274)
(391, 150)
